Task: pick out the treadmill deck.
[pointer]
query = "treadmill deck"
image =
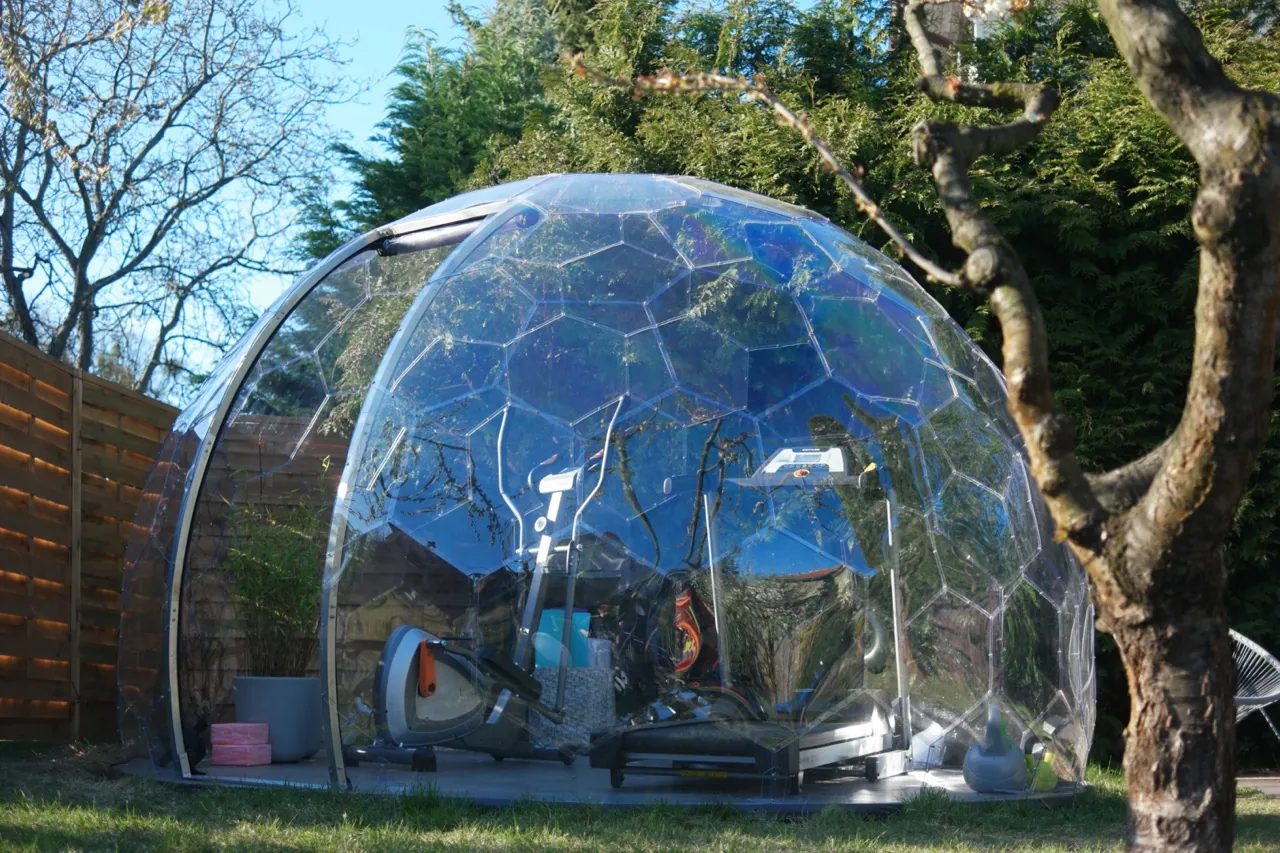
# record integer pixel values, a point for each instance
(773, 751)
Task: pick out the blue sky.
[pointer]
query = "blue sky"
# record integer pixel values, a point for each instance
(374, 44)
(375, 33)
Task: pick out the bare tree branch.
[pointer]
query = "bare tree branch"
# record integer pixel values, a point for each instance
(1175, 71)
(166, 329)
(1119, 489)
(1235, 137)
(159, 149)
(993, 267)
(926, 53)
(757, 91)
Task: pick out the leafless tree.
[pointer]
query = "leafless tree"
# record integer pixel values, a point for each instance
(150, 152)
(1151, 533)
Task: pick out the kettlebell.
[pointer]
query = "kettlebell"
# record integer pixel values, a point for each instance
(994, 766)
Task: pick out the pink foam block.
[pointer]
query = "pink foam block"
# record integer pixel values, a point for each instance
(239, 734)
(242, 755)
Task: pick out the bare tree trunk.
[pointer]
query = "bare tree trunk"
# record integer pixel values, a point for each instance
(84, 359)
(57, 346)
(1179, 746)
(14, 277)
(1180, 742)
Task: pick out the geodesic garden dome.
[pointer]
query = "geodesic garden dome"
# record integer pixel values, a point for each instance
(612, 465)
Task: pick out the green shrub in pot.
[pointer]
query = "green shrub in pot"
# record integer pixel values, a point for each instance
(274, 567)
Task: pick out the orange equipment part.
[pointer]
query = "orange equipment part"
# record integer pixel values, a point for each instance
(690, 635)
(426, 669)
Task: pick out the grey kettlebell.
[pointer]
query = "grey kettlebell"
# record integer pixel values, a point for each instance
(994, 766)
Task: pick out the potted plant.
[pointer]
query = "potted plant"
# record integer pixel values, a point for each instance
(274, 568)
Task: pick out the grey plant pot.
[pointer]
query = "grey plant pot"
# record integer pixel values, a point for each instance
(291, 709)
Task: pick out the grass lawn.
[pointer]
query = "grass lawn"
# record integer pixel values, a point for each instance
(64, 799)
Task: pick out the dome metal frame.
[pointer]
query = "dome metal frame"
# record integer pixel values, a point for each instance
(443, 229)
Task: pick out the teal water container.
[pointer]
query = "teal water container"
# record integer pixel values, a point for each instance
(547, 642)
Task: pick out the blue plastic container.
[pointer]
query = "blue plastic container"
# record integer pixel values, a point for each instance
(547, 642)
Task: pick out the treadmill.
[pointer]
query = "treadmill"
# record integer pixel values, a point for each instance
(732, 740)
(775, 753)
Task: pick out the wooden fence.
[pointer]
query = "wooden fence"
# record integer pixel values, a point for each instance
(74, 452)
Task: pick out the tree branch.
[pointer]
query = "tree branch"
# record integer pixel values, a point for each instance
(154, 133)
(162, 339)
(926, 53)
(756, 91)
(1174, 70)
(1234, 135)
(991, 266)
(1120, 489)
(15, 279)
(994, 268)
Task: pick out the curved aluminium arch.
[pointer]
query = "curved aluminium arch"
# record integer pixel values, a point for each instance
(378, 391)
(447, 227)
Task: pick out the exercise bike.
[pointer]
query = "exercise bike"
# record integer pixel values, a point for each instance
(432, 691)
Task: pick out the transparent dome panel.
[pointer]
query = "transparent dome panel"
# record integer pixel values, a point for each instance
(657, 469)
(250, 590)
(142, 685)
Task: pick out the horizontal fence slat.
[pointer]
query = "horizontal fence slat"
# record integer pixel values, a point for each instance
(115, 465)
(110, 508)
(101, 654)
(15, 711)
(35, 731)
(45, 691)
(34, 607)
(116, 436)
(100, 581)
(103, 547)
(51, 485)
(100, 621)
(101, 692)
(35, 566)
(109, 498)
(26, 524)
(35, 364)
(108, 610)
(101, 571)
(16, 645)
(31, 403)
(133, 426)
(31, 445)
(128, 403)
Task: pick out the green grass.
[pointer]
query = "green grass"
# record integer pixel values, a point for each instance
(66, 799)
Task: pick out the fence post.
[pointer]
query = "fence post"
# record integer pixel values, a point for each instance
(77, 516)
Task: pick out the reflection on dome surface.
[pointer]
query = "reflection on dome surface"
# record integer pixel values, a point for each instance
(641, 467)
